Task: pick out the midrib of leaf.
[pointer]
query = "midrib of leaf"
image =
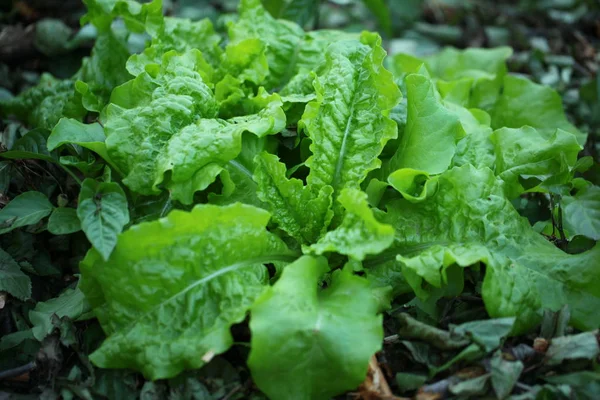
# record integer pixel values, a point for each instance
(242, 169)
(289, 257)
(342, 154)
(297, 217)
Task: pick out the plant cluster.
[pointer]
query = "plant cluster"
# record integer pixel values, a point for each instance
(299, 178)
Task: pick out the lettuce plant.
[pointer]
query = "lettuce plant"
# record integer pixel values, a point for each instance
(304, 180)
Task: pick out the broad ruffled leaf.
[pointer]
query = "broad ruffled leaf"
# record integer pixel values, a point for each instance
(428, 142)
(172, 288)
(43, 105)
(308, 344)
(476, 147)
(482, 71)
(103, 213)
(520, 97)
(162, 128)
(281, 37)
(102, 71)
(581, 212)
(527, 153)
(180, 35)
(298, 11)
(348, 123)
(469, 220)
(102, 12)
(12, 279)
(359, 233)
(291, 53)
(302, 211)
(26, 209)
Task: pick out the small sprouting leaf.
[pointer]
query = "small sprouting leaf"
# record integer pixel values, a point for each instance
(12, 279)
(26, 209)
(103, 213)
(300, 335)
(63, 221)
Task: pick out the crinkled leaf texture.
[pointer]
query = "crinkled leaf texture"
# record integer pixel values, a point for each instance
(468, 221)
(527, 153)
(348, 123)
(172, 288)
(102, 12)
(311, 344)
(103, 213)
(161, 128)
(359, 233)
(102, 71)
(43, 105)
(302, 211)
(180, 35)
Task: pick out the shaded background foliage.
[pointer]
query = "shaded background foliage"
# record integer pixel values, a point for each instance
(555, 43)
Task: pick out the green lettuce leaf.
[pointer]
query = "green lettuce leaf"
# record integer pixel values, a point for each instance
(43, 105)
(172, 288)
(162, 128)
(180, 35)
(581, 212)
(302, 211)
(359, 233)
(526, 103)
(428, 142)
(102, 12)
(311, 344)
(476, 147)
(291, 53)
(102, 71)
(349, 122)
(527, 153)
(480, 70)
(468, 221)
(281, 37)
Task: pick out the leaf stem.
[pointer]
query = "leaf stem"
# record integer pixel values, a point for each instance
(68, 171)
